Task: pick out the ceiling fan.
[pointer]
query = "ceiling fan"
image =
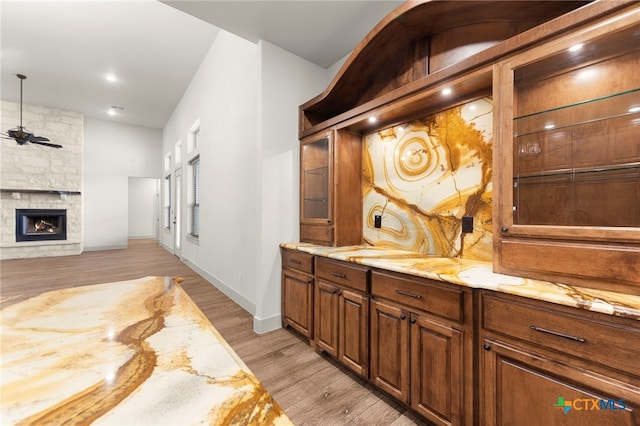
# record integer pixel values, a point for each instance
(22, 135)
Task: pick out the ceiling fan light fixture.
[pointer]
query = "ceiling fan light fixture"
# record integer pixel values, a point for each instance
(20, 134)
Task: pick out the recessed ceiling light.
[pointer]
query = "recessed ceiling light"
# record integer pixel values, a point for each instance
(549, 126)
(587, 74)
(111, 111)
(575, 47)
(110, 77)
(447, 91)
(372, 119)
(634, 109)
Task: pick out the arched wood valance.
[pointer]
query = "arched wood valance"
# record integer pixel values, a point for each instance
(419, 39)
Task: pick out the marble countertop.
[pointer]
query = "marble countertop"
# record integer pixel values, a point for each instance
(124, 353)
(478, 274)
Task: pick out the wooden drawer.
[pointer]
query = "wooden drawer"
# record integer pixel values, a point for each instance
(343, 273)
(297, 260)
(427, 295)
(581, 334)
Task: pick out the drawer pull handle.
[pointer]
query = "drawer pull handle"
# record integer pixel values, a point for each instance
(404, 293)
(555, 333)
(309, 280)
(296, 261)
(338, 274)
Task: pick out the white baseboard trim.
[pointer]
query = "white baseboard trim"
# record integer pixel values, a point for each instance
(246, 304)
(265, 325)
(100, 248)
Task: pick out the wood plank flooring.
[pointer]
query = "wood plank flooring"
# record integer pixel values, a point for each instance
(311, 388)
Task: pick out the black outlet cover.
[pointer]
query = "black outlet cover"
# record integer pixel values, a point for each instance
(467, 224)
(377, 221)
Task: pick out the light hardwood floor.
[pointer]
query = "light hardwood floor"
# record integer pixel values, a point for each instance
(311, 388)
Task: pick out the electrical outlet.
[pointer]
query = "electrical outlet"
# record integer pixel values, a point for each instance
(467, 224)
(377, 221)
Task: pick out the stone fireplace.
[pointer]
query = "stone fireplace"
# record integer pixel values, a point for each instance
(41, 187)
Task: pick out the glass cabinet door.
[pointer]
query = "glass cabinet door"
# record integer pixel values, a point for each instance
(579, 164)
(575, 139)
(568, 169)
(315, 177)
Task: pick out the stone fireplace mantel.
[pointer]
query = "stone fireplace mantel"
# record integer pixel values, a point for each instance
(40, 191)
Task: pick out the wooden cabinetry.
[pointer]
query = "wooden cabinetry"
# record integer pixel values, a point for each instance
(342, 313)
(547, 364)
(421, 346)
(297, 291)
(568, 119)
(330, 192)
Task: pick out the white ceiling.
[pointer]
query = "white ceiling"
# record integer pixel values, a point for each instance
(65, 48)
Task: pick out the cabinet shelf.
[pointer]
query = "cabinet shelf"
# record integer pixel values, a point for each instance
(633, 168)
(608, 107)
(319, 171)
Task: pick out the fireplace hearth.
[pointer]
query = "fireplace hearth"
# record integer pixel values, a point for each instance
(41, 224)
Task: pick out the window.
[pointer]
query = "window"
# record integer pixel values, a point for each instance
(167, 202)
(193, 137)
(178, 151)
(194, 196)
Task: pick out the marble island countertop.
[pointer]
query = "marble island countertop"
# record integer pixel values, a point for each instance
(478, 274)
(124, 353)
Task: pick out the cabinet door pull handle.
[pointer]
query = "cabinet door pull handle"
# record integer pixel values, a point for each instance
(504, 229)
(412, 320)
(403, 316)
(404, 293)
(309, 280)
(338, 274)
(555, 333)
(486, 347)
(296, 261)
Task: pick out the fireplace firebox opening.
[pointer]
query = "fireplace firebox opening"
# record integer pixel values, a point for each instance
(41, 224)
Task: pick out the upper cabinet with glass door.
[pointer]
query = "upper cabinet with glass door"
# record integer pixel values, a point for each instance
(330, 191)
(568, 206)
(315, 159)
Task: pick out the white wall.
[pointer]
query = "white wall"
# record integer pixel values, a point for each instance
(113, 153)
(287, 81)
(223, 97)
(246, 98)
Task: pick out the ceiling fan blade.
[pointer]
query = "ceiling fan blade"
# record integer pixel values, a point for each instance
(34, 138)
(52, 145)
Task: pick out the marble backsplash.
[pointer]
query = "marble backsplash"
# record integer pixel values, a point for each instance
(423, 176)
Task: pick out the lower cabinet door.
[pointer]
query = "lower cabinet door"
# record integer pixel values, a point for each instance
(353, 341)
(390, 349)
(297, 301)
(326, 317)
(437, 371)
(522, 388)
